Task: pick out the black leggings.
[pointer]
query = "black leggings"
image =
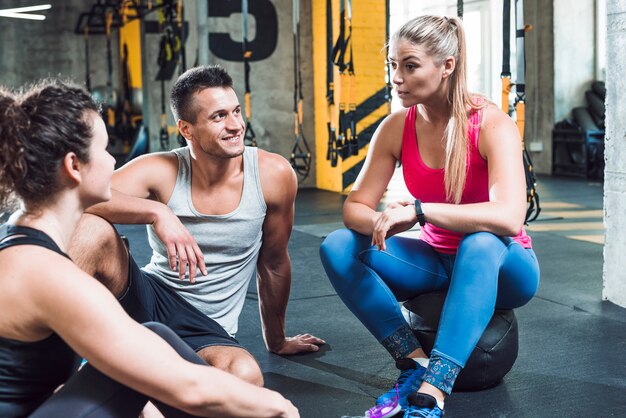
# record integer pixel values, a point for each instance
(89, 393)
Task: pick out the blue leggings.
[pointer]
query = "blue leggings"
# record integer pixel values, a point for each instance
(488, 272)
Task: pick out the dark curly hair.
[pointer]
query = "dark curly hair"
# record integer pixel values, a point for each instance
(192, 81)
(38, 127)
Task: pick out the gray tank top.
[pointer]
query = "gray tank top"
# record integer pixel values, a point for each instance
(230, 244)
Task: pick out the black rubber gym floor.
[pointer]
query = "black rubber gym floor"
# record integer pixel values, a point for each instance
(571, 362)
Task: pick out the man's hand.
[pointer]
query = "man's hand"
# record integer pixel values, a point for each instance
(182, 249)
(397, 217)
(301, 343)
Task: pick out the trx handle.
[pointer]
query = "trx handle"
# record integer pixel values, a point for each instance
(250, 136)
(300, 158)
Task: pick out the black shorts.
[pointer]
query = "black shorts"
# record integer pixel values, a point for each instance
(147, 299)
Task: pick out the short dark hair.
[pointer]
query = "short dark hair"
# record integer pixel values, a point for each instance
(38, 127)
(192, 81)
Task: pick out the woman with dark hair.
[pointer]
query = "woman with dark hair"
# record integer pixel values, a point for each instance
(53, 159)
(462, 162)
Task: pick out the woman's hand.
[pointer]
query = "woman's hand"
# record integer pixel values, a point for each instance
(397, 217)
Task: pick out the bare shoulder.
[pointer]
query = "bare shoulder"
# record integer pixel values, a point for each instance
(154, 162)
(148, 175)
(498, 129)
(495, 118)
(275, 167)
(278, 180)
(394, 123)
(388, 136)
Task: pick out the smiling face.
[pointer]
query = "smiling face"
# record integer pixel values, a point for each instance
(416, 75)
(219, 127)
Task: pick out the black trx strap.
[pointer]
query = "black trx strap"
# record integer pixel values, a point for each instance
(532, 197)
(124, 126)
(505, 75)
(388, 84)
(183, 55)
(331, 153)
(170, 48)
(180, 17)
(300, 152)
(250, 137)
(87, 68)
(459, 9)
(353, 140)
(164, 136)
(108, 107)
(347, 140)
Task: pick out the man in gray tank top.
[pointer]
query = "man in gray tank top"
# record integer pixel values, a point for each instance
(218, 214)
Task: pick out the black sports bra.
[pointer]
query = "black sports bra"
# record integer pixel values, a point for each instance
(30, 371)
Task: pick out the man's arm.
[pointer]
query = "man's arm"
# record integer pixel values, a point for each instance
(274, 266)
(139, 191)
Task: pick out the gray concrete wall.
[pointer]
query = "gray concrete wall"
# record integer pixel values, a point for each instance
(615, 142)
(574, 57)
(539, 82)
(30, 50)
(272, 79)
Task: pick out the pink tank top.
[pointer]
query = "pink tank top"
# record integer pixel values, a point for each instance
(427, 184)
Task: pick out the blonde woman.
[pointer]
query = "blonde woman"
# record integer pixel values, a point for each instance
(462, 162)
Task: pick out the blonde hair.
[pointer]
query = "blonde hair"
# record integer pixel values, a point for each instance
(443, 37)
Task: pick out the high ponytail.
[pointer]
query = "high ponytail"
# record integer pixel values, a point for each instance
(443, 37)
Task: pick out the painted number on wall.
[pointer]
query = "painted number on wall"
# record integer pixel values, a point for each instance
(264, 43)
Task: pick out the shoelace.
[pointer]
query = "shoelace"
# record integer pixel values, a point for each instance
(417, 412)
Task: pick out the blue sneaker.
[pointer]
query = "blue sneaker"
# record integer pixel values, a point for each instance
(387, 410)
(422, 405)
(408, 382)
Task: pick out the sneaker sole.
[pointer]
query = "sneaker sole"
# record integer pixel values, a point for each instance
(392, 412)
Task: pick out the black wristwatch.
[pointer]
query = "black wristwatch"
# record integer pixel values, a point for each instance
(420, 214)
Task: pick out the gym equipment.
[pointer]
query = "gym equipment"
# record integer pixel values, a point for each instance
(599, 88)
(578, 144)
(494, 354)
(300, 157)
(331, 153)
(171, 56)
(122, 110)
(140, 145)
(109, 106)
(532, 197)
(364, 106)
(250, 136)
(596, 107)
(347, 141)
(584, 119)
